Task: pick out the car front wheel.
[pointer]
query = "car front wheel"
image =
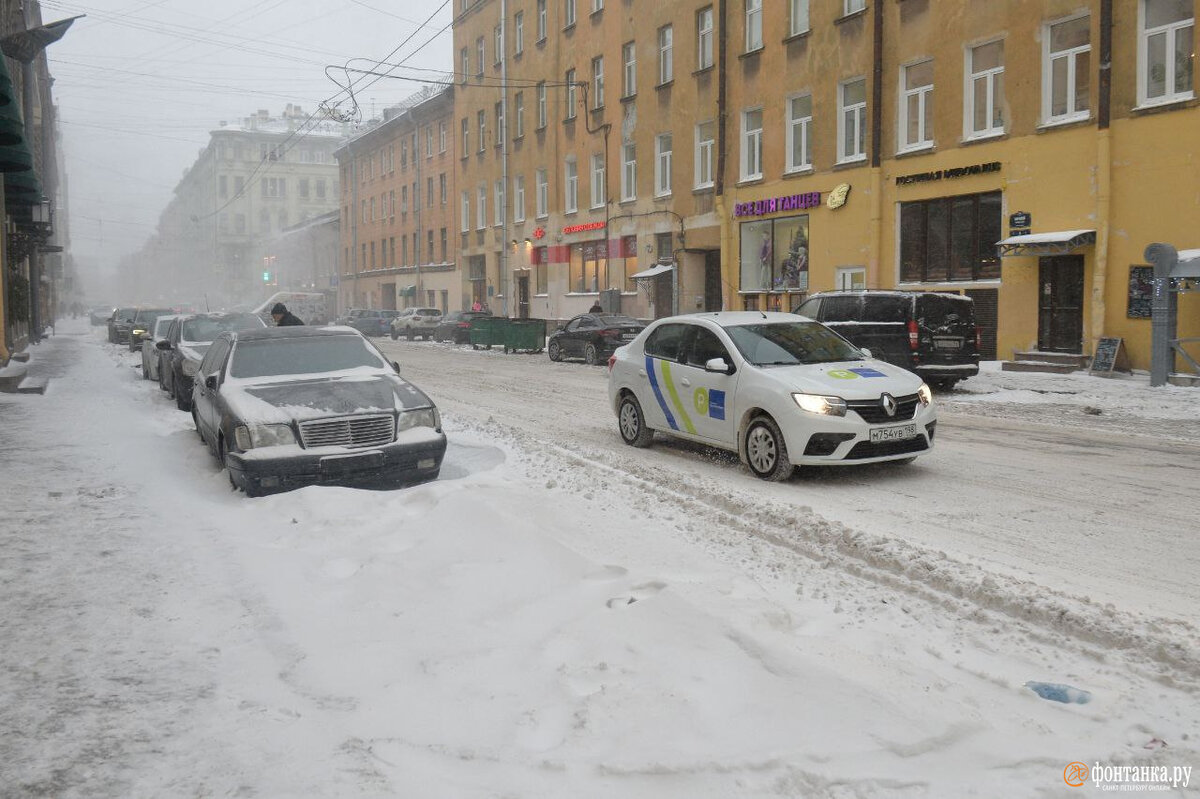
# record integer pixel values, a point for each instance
(766, 453)
(632, 423)
(553, 351)
(590, 356)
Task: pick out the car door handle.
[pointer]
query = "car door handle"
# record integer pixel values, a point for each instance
(686, 382)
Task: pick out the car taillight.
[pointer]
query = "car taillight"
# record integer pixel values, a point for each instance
(913, 337)
(978, 339)
(612, 359)
(464, 324)
(610, 333)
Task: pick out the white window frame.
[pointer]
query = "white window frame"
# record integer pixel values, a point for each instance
(798, 21)
(441, 142)
(663, 155)
(541, 105)
(703, 166)
(1171, 32)
(704, 38)
(666, 54)
(518, 198)
(597, 6)
(750, 162)
(541, 20)
(628, 172)
(498, 44)
(481, 119)
(852, 118)
(572, 92)
(465, 65)
(853, 6)
(542, 191)
(519, 109)
(1071, 54)
(924, 99)
(598, 82)
(851, 278)
(992, 103)
(519, 33)
(599, 184)
(480, 54)
(799, 127)
(466, 212)
(754, 26)
(498, 210)
(481, 208)
(466, 137)
(629, 69)
(568, 13)
(570, 186)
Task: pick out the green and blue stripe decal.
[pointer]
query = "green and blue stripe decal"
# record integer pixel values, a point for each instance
(674, 395)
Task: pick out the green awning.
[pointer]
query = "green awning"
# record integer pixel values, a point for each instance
(15, 158)
(22, 188)
(12, 129)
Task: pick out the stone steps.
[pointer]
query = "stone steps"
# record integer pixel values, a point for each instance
(1052, 362)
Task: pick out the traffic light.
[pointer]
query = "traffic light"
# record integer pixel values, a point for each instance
(266, 277)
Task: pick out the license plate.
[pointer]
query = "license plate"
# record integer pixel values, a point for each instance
(628, 336)
(344, 464)
(947, 343)
(904, 431)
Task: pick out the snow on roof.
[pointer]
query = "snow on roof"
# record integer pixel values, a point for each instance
(1056, 237)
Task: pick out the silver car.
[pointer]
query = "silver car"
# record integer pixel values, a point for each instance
(416, 321)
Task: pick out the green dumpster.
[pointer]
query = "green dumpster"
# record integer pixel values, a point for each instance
(488, 330)
(526, 335)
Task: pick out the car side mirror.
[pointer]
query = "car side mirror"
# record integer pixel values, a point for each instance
(560, 327)
(718, 365)
(210, 382)
(163, 345)
(396, 366)
(866, 352)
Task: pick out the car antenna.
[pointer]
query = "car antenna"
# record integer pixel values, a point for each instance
(764, 313)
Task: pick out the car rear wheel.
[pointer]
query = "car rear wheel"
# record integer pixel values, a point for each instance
(553, 351)
(408, 334)
(181, 402)
(395, 335)
(632, 423)
(766, 453)
(590, 356)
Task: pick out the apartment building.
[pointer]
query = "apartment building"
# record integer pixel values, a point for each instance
(397, 209)
(754, 152)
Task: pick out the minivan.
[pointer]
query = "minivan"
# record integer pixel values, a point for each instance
(932, 333)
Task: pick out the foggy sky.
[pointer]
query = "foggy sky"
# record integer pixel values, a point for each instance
(140, 83)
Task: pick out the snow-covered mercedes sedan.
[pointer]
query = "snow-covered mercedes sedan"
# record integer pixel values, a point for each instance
(778, 389)
(285, 407)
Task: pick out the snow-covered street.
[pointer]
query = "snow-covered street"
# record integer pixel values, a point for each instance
(563, 616)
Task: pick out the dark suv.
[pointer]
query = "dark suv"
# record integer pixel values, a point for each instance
(931, 333)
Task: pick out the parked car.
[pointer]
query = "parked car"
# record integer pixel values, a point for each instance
(414, 322)
(777, 389)
(151, 354)
(119, 325)
(287, 407)
(456, 326)
(368, 321)
(931, 333)
(592, 336)
(187, 340)
(143, 323)
(100, 315)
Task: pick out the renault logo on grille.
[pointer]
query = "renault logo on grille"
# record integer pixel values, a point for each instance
(889, 404)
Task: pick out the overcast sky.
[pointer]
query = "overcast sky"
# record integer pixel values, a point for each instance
(140, 83)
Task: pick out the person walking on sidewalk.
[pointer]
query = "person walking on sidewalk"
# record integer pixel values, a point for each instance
(283, 317)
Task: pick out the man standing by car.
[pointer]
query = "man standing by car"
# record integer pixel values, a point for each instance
(283, 317)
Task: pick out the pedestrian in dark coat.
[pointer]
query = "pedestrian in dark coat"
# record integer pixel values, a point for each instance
(283, 317)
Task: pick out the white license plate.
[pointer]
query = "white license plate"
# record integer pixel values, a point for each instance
(628, 336)
(947, 343)
(904, 431)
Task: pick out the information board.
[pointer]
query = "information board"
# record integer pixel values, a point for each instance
(1105, 358)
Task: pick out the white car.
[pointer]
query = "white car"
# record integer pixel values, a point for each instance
(778, 389)
(150, 352)
(413, 322)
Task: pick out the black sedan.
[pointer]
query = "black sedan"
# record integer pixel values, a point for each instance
(592, 336)
(456, 326)
(142, 325)
(286, 407)
(119, 325)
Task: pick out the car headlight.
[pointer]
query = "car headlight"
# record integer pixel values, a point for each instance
(924, 394)
(263, 435)
(425, 417)
(138, 332)
(190, 367)
(826, 406)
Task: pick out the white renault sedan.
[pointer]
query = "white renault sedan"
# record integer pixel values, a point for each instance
(779, 389)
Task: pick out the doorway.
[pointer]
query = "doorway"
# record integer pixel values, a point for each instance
(1060, 304)
(523, 296)
(712, 280)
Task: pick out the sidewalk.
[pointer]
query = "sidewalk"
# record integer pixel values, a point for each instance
(48, 359)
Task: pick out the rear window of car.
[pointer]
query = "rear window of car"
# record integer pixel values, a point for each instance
(618, 319)
(305, 355)
(941, 309)
(840, 309)
(207, 328)
(428, 312)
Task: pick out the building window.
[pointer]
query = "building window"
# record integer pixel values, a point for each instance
(466, 212)
(429, 142)
(599, 193)
(481, 121)
(464, 63)
(985, 90)
(598, 82)
(481, 208)
(542, 200)
(754, 32)
(519, 109)
(441, 189)
(441, 137)
(666, 54)
(752, 144)
(223, 186)
(541, 20)
(501, 126)
(588, 262)
(797, 17)
(571, 187)
(799, 133)
(662, 165)
(568, 13)
(499, 198)
(321, 189)
(519, 198)
(597, 6)
(445, 248)
(950, 238)
(466, 139)
(629, 70)
(429, 192)
(774, 254)
(852, 120)
(479, 49)
(404, 199)
(498, 44)
(1066, 60)
(916, 106)
(572, 88)
(851, 278)
(541, 105)
(704, 38)
(628, 172)
(519, 33)
(853, 6)
(704, 155)
(1165, 51)
(539, 258)
(429, 246)
(392, 202)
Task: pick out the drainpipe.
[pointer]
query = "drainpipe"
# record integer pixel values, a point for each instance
(876, 224)
(727, 261)
(1103, 173)
(503, 133)
(355, 218)
(417, 205)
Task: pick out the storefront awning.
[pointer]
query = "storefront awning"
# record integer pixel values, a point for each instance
(1188, 265)
(652, 272)
(1060, 242)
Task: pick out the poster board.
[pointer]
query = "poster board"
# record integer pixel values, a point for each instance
(1104, 360)
(1141, 292)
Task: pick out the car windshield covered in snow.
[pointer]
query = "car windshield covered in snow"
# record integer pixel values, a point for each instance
(207, 328)
(791, 343)
(302, 356)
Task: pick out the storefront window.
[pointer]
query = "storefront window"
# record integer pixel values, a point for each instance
(950, 239)
(775, 254)
(538, 260)
(588, 262)
(622, 269)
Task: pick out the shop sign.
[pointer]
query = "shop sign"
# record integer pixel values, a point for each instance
(539, 233)
(946, 174)
(791, 202)
(569, 229)
(1020, 219)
